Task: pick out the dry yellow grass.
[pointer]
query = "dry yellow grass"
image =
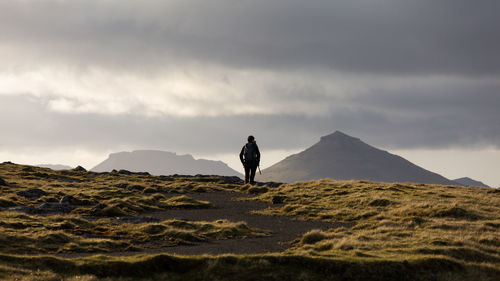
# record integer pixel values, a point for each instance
(93, 225)
(395, 220)
(386, 231)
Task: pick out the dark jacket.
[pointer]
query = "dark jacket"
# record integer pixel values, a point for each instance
(250, 154)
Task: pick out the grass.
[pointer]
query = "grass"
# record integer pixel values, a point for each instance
(242, 267)
(28, 234)
(382, 231)
(394, 221)
(106, 215)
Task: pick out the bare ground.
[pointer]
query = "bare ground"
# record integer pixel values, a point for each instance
(282, 230)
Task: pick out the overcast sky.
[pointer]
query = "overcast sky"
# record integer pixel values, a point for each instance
(80, 79)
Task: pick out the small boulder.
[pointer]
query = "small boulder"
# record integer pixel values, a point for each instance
(273, 184)
(41, 175)
(3, 182)
(23, 209)
(124, 172)
(380, 203)
(231, 180)
(69, 199)
(33, 193)
(55, 208)
(137, 187)
(166, 178)
(70, 180)
(137, 220)
(98, 207)
(79, 169)
(121, 185)
(27, 169)
(278, 199)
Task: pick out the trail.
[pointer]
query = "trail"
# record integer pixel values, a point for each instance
(283, 230)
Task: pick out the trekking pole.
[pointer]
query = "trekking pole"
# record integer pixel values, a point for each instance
(259, 170)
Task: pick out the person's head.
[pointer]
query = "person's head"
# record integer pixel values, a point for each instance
(251, 139)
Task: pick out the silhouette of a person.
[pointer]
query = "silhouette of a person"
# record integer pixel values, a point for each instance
(250, 158)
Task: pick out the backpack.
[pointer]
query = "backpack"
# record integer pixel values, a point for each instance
(250, 152)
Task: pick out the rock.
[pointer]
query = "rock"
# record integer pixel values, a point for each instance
(380, 203)
(137, 187)
(231, 180)
(98, 207)
(166, 178)
(137, 220)
(124, 172)
(257, 189)
(68, 199)
(41, 175)
(70, 180)
(33, 193)
(23, 209)
(55, 208)
(107, 211)
(273, 184)
(121, 185)
(3, 182)
(79, 169)
(278, 199)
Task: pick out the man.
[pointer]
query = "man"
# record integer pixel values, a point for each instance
(250, 158)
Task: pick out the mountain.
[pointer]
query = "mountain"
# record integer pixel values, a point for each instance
(342, 157)
(55, 167)
(163, 163)
(469, 182)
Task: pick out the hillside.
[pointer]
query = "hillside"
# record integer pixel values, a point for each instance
(342, 157)
(163, 163)
(469, 182)
(80, 225)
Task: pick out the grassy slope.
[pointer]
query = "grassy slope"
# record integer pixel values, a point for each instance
(391, 231)
(111, 226)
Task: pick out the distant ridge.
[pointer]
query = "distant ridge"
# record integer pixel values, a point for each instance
(342, 157)
(466, 181)
(55, 166)
(163, 163)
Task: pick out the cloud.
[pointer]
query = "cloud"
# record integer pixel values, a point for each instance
(385, 37)
(173, 74)
(32, 124)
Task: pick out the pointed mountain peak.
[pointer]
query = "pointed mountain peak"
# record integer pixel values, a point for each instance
(340, 156)
(340, 138)
(338, 135)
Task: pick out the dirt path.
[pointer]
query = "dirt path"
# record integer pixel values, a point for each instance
(283, 229)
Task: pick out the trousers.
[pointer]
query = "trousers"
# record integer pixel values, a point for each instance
(250, 170)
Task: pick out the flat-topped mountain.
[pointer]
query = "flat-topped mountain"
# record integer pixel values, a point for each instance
(55, 166)
(466, 181)
(163, 163)
(342, 157)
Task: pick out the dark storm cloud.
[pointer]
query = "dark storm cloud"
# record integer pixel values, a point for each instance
(409, 73)
(385, 36)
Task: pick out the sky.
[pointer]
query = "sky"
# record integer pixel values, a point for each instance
(80, 79)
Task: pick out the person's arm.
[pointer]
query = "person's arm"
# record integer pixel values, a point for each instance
(241, 155)
(258, 154)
